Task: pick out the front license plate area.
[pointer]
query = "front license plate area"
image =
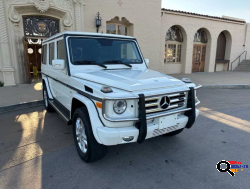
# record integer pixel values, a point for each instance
(167, 121)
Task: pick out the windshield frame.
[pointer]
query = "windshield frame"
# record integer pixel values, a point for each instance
(133, 40)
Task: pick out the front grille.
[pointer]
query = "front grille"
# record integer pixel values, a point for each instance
(177, 100)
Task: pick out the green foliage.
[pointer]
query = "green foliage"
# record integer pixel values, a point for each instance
(1, 84)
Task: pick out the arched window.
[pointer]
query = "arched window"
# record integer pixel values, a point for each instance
(119, 26)
(200, 36)
(173, 45)
(39, 26)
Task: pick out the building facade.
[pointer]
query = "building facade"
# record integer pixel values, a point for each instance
(173, 41)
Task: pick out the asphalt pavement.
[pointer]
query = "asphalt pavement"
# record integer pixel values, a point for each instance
(37, 151)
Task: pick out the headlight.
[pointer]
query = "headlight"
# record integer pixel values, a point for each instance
(120, 106)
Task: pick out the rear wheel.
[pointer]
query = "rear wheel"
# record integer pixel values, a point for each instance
(174, 133)
(87, 147)
(47, 106)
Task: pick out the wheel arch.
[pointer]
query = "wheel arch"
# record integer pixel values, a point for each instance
(76, 103)
(45, 83)
(82, 101)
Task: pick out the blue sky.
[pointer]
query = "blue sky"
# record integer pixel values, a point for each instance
(232, 8)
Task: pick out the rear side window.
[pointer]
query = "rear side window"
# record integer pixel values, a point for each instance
(44, 54)
(61, 53)
(51, 52)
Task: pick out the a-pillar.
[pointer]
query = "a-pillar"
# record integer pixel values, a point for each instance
(7, 68)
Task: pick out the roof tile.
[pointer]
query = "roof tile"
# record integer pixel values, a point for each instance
(191, 13)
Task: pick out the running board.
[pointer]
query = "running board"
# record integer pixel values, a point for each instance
(61, 110)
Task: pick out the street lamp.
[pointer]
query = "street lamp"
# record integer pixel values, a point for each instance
(98, 20)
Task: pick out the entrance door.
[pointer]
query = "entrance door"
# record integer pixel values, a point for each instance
(26, 60)
(221, 47)
(199, 55)
(34, 53)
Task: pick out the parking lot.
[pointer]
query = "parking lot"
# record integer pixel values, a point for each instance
(37, 151)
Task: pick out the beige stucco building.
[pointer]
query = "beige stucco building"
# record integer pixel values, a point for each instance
(173, 41)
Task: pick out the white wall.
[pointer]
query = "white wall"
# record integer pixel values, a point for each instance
(247, 43)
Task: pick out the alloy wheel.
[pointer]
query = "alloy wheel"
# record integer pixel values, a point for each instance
(81, 136)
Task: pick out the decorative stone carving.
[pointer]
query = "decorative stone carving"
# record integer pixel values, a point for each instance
(67, 20)
(78, 15)
(42, 6)
(19, 51)
(64, 4)
(13, 15)
(79, 2)
(3, 28)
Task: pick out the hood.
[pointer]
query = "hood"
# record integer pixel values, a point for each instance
(131, 80)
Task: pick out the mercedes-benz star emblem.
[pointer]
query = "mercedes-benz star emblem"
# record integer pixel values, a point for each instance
(164, 103)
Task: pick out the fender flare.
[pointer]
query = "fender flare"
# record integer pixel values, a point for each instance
(93, 114)
(45, 79)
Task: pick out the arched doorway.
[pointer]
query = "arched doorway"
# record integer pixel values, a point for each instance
(223, 51)
(199, 51)
(36, 28)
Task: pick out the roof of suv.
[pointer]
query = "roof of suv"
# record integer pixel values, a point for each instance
(87, 34)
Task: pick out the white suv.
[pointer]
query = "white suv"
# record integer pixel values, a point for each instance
(101, 84)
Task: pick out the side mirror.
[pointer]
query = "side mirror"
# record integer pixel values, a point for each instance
(147, 61)
(58, 64)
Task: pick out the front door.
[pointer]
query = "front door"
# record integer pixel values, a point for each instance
(199, 55)
(26, 60)
(34, 53)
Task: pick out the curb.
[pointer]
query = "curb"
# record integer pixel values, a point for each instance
(226, 86)
(20, 106)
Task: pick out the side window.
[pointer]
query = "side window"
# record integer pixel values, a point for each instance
(61, 53)
(51, 52)
(44, 54)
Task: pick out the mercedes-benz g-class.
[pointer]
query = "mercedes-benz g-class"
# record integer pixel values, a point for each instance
(101, 84)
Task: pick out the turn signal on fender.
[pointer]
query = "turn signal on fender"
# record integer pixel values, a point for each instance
(98, 104)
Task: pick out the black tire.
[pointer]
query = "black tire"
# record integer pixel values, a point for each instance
(47, 106)
(174, 133)
(94, 150)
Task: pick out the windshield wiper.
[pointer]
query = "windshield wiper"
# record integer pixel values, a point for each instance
(118, 61)
(90, 62)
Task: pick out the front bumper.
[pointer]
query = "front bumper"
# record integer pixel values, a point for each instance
(114, 136)
(141, 120)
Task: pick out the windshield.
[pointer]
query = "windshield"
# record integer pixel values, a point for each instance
(87, 51)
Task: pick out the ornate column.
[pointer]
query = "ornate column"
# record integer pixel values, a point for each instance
(7, 69)
(79, 15)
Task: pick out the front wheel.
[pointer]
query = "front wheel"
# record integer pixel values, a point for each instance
(87, 147)
(174, 133)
